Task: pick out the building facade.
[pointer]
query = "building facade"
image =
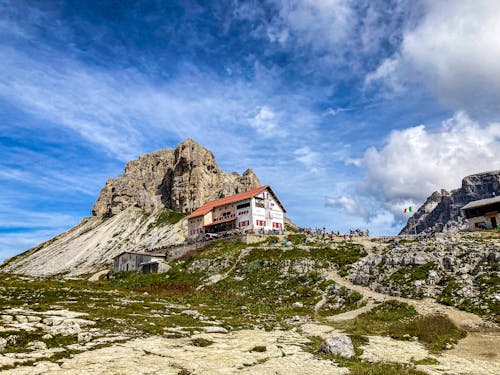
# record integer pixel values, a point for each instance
(257, 210)
(483, 213)
(140, 262)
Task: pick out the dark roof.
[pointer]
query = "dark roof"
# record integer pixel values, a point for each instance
(481, 203)
(140, 253)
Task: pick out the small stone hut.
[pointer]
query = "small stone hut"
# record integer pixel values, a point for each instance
(483, 213)
(140, 262)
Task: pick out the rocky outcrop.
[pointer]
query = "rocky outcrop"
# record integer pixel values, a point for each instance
(181, 180)
(441, 212)
(456, 269)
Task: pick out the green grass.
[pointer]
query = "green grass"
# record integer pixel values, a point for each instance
(400, 321)
(358, 366)
(296, 239)
(201, 342)
(169, 217)
(413, 273)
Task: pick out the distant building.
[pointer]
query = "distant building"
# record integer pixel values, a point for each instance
(257, 210)
(482, 214)
(140, 262)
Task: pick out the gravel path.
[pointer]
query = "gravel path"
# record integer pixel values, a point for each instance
(483, 338)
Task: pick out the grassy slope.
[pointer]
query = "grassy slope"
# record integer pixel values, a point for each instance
(266, 285)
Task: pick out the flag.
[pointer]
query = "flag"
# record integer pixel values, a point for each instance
(407, 209)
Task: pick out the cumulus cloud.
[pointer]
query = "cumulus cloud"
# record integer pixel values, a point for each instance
(416, 161)
(348, 204)
(454, 49)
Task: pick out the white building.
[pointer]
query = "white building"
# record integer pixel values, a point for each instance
(484, 213)
(258, 210)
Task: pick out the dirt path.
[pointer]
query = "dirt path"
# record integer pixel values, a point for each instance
(482, 341)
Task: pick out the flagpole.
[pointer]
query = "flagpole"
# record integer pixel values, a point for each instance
(409, 210)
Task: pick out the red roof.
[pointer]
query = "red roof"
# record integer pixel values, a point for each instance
(207, 207)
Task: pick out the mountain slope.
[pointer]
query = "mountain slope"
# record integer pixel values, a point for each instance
(441, 211)
(138, 210)
(89, 246)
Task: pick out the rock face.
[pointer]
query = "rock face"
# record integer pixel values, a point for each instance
(181, 180)
(132, 212)
(441, 211)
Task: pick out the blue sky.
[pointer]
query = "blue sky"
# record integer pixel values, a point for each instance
(351, 110)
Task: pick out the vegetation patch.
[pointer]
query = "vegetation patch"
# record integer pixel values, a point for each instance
(358, 366)
(201, 342)
(401, 321)
(167, 217)
(296, 239)
(259, 349)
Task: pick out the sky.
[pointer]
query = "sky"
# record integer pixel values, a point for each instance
(350, 109)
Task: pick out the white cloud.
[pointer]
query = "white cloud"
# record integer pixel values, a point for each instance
(335, 111)
(308, 157)
(455, 50)
(265, 122)
(415, 161)
(320, 23)
(350, 205)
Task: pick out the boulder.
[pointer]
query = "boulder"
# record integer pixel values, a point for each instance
(339, 345)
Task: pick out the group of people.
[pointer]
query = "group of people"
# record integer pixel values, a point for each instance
(164, 248)
(323, 233)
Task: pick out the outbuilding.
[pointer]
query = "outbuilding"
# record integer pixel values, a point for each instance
(140, 262)
(483, 213)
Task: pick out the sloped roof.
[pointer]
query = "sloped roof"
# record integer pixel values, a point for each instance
(481, 203)
(140, 253)
(207, 207)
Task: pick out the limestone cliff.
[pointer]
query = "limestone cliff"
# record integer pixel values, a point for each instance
(137, 211)
(181, 180)
(441, 211)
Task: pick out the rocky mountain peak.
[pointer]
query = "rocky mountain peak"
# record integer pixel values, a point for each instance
(181, 179)
(441, 212)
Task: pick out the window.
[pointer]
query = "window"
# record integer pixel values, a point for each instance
(277, 225)
(261, 223)
(243, 205)
(244, 224)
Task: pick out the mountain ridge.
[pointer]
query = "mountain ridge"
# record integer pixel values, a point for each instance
(441, 212)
